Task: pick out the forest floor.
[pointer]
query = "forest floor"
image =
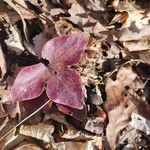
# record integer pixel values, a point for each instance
(114, 70)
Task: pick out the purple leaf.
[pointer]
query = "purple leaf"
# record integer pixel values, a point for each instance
(65, 50)
(63, 83)
(65, 88)
(29, 83)
(76, 113)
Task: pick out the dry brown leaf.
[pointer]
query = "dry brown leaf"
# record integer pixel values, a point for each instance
(136, 39)
(147, 90)
(7, 14)
(135, 14)
(116, 89)
(21, 10)
(89, 141)
(14, 40)
(57, 11)
(119, 118)
(13, 141)
(143, 55)
(38, 131)
(119, 105)
(140, 123)
(120, 17)
(2, 64)
(95, 5)
(6, 125)
(27, 146)
(95, 125)
(74, 134)
(63, 27)
(7, 107)
(81, 18)
(96, 143)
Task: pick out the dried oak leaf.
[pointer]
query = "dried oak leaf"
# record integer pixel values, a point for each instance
(119, 105)
(39, 131)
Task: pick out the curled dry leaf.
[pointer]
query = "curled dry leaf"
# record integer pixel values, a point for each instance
(74, 134)
(38, 131)
(13, 141)
(2, 63)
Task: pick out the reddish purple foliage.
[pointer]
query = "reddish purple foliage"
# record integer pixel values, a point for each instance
(63, 83)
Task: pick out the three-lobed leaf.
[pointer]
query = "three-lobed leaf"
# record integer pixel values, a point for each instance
(62, 84)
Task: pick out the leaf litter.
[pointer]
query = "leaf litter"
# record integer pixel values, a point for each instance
(97, 92)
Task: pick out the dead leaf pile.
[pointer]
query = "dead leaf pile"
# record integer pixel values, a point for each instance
(115, 73)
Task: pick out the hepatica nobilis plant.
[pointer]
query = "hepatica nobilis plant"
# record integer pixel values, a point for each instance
(62, 84)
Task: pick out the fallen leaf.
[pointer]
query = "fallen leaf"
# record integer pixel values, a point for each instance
(135, 14)
(119, 118)
(14, 141)
(91, 144)
(39, 131)
(95, 5)
(14, 41)
(2, 64)
(119, 105)
(95, 125)
(27, 145)
(135, 39)
(82, 19)
(140, 123)
(76, 113)
(147, 90)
